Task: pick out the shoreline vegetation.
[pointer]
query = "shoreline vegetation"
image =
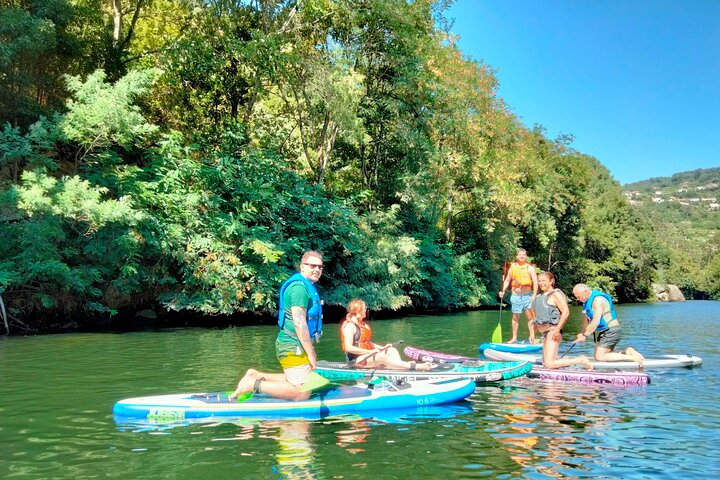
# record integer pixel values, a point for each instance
(151, 319)
(180, 156)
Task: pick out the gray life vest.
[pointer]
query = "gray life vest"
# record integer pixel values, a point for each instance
(546, 314)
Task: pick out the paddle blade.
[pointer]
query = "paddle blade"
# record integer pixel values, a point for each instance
(313, 382)
(497, 334)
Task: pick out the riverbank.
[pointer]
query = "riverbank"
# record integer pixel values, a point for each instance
(159, 319)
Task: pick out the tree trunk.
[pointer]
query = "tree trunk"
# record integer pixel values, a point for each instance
(448, 224)
(324, 153)
(117, 22)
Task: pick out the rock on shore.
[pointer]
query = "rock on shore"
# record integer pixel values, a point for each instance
(667, 293)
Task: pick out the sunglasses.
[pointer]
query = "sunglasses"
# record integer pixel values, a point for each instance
(314, 266)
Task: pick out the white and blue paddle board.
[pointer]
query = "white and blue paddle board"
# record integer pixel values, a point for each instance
(331, 401)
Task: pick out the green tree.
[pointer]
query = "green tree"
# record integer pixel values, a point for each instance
(36, 47)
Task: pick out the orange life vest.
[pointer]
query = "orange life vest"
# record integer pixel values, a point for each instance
(521, 275)
(363, 334)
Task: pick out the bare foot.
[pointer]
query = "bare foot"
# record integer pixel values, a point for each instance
(512, 340)
(244, 386)
(636, 356)
(425, 366)
(585, 362)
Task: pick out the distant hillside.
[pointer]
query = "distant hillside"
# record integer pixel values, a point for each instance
(700, 188)
(685, 212)
(690, 200)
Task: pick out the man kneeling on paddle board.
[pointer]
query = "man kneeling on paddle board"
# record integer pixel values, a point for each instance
(603, 325)
(300, 322)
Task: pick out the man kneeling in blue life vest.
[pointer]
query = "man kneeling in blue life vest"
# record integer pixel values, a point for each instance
(603, 324)
(300, 322)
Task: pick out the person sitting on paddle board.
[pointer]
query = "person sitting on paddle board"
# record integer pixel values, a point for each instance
(551, 313)
(603, 325)
(524, 290)
(300, 322)
(356, 342)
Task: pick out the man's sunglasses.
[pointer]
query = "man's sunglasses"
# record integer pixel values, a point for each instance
(314, 266)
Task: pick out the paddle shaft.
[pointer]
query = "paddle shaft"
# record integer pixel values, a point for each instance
(497, 333)
(501, 305)
(502, 283)
(362, 358)
(568, 350)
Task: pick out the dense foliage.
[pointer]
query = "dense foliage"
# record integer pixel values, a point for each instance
(184, 153)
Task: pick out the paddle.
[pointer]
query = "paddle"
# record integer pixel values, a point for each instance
(362, 358)
(497, 333)
(566, 351)
(315, 380)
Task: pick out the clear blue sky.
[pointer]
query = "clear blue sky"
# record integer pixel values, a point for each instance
(637, 82)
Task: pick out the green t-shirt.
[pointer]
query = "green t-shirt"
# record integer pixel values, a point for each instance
(295, 296)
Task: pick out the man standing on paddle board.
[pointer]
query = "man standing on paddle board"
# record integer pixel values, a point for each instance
(524, 290)
(603, 325)
(300, 322)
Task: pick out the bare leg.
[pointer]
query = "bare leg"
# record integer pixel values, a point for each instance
(274, 384)
(551, 360)
(284, 390)
(394, 362)
(606, 355)
(245, 385)
(639, 358)
(515, 324)
(530, 316)
(393, 354)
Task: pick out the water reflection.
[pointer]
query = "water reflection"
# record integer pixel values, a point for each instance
(547, 424)
(295, 454)
(296, 440)
(352, 438)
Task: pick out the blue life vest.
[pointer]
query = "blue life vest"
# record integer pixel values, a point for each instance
(602, 325)
(314, 315)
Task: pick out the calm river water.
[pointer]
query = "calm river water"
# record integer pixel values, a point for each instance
(57, 393)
